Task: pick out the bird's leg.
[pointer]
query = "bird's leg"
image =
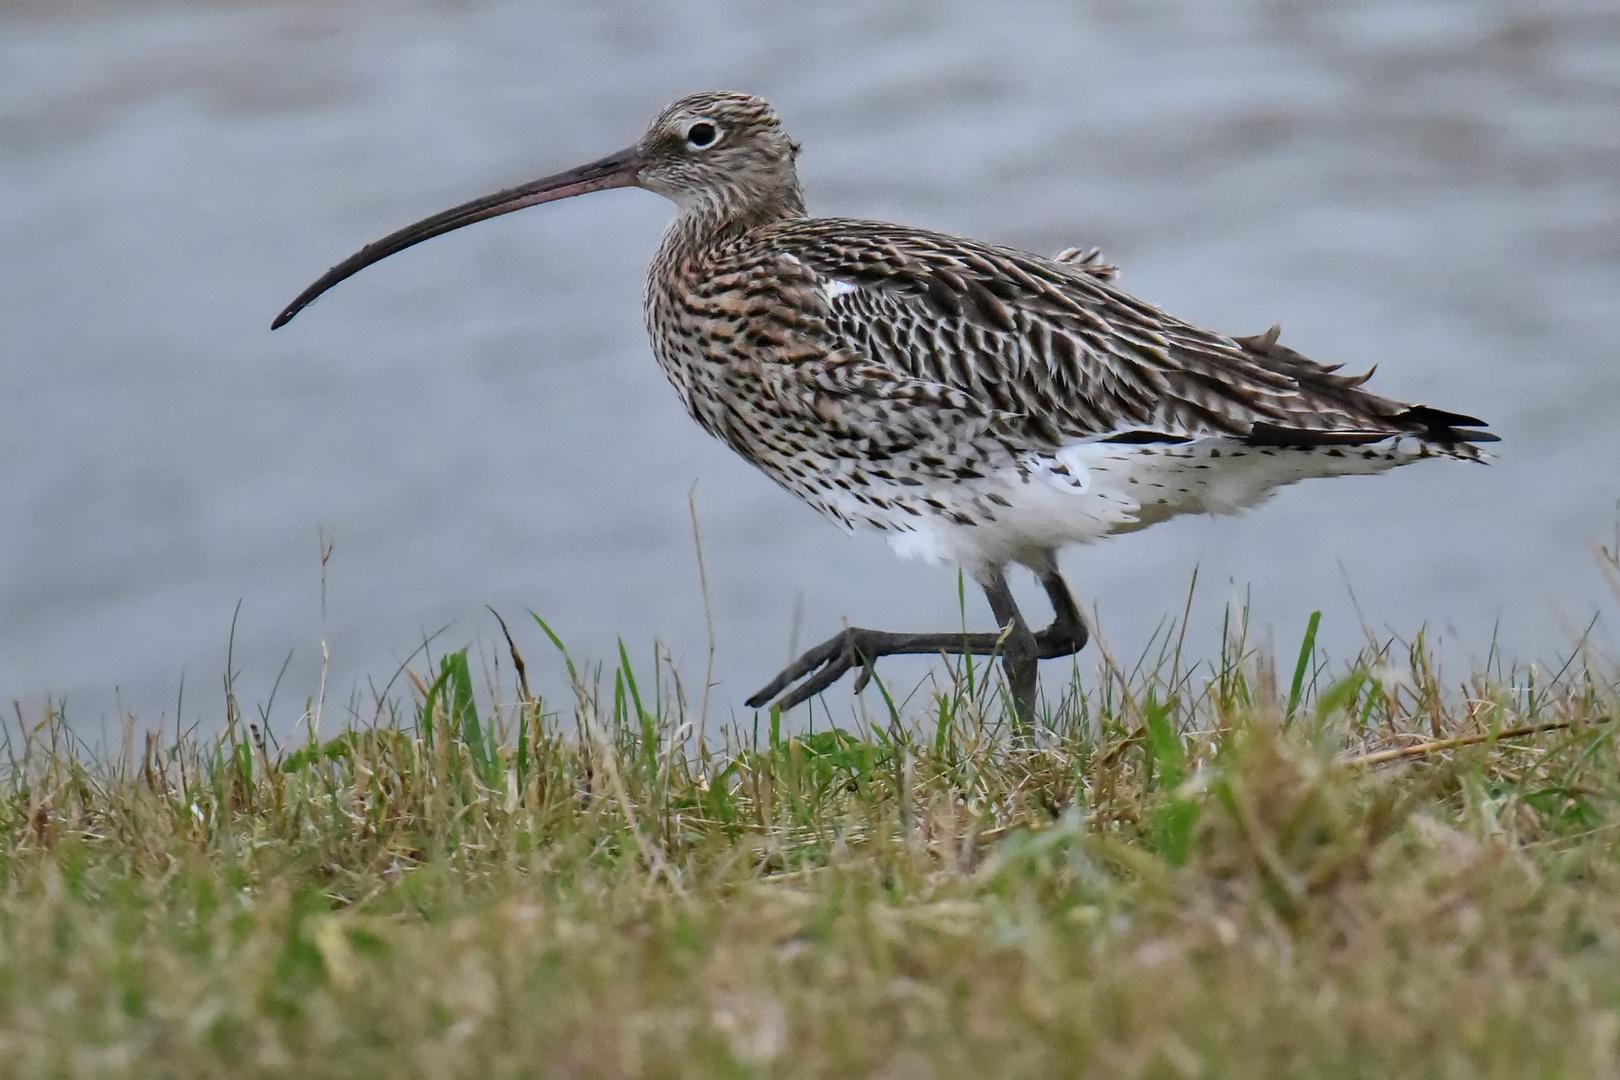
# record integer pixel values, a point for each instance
(1020, 656)
(856, 647)
(1068, 633)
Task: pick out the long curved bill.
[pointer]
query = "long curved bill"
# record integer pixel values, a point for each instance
(613, 171)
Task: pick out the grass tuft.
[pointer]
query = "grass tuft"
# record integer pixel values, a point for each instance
(1186, 873)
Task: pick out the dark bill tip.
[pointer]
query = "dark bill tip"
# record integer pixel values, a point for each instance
(615, 170)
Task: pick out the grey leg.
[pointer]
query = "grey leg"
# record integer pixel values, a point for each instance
(1020, 654)
(857, 647)
(1068, 634)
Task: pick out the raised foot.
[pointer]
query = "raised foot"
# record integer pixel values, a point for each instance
(858, 647)
(826, 663)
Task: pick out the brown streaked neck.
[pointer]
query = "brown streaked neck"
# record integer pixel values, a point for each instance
(726, 215)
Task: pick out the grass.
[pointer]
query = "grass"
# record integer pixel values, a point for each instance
(1194, 870)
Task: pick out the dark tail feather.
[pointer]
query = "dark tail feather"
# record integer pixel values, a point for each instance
(1430, 425)
(1437, 425)
(1445, 429)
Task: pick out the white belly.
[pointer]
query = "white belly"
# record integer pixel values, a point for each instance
(1093, 490)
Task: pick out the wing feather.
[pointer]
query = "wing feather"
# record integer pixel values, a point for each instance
(1063, 353)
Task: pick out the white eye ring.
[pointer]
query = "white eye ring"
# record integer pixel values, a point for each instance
(702, 134)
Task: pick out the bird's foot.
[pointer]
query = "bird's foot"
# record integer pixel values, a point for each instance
(857, 647)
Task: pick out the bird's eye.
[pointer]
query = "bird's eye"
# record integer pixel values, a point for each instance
(702, 134)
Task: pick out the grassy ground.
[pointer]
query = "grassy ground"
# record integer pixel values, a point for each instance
(1195, 870)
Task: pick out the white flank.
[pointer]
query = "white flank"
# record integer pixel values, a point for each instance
(1091, 490)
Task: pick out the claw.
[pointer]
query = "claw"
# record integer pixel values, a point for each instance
(801, 667)
(825, 664)
(831, 673)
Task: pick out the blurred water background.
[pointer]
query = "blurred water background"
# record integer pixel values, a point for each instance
(1431, 185)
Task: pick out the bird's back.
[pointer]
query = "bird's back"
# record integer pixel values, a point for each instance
(978, 401)
(1069, 351)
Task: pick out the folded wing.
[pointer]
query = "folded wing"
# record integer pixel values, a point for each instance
(1055, 348)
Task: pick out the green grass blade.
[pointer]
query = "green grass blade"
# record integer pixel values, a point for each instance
(1307, 651)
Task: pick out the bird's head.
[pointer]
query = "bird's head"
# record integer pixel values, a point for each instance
(718, 154)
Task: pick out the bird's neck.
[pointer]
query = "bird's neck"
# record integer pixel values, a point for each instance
(708, 222)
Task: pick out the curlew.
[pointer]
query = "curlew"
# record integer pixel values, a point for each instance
(976, 403)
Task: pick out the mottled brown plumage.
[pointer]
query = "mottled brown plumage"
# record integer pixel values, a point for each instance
(975, 402)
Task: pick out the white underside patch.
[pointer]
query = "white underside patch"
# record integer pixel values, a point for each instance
(1096, 489)
(924, 542)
